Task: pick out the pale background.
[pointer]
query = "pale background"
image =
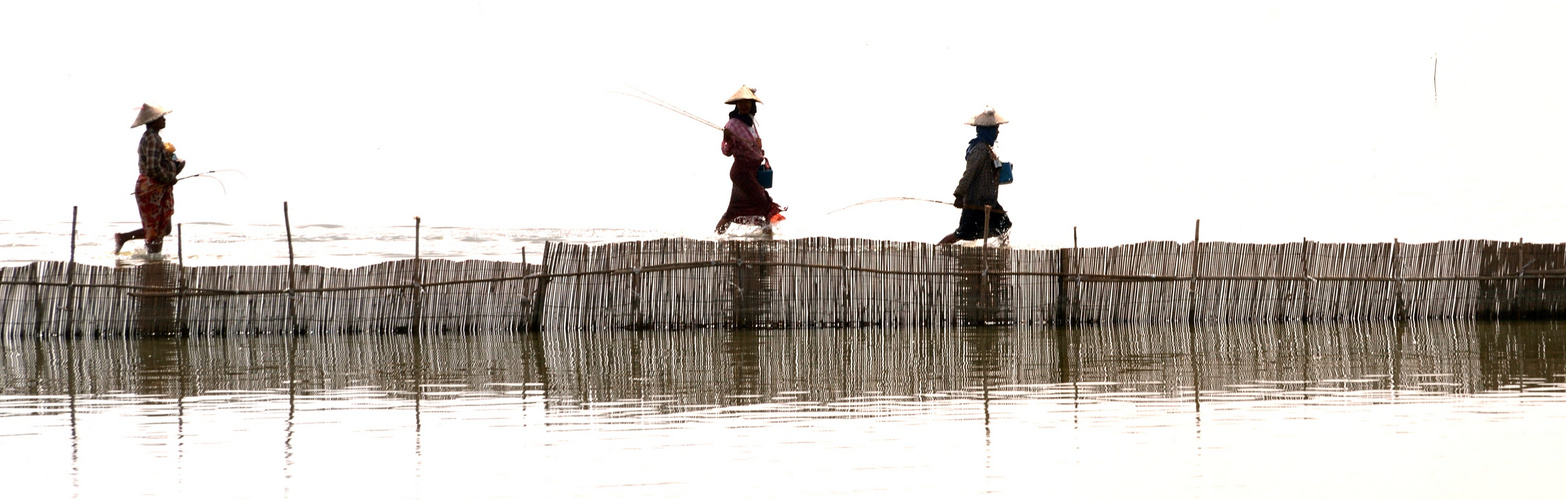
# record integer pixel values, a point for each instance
(1268, 121)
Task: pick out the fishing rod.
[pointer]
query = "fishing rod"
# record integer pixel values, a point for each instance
(208, 175)
(671, 107)
(666, 105)
(906, 198)
(204, 174)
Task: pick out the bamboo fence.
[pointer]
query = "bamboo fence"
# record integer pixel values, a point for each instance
(804, 283)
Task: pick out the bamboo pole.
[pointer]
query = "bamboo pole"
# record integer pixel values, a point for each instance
(986, 243)
(1076, 295)
(38, 299)
(846, 287)
(984, 268)
(636, 287)
(1196, 253)
(536, 322)
(418, 277)
(1305, 279)
(70, 282)
(1398, 309)
(1062, 297)
(288, 230)
(179, 250)
(1514, 302)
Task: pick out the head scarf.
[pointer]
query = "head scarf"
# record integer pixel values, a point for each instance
(986, 134)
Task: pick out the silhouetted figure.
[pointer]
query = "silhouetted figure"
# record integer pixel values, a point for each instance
(980, 184)
(160, 169)
(749, 202)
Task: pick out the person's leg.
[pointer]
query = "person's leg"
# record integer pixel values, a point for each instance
(121, 238)
(155, 246)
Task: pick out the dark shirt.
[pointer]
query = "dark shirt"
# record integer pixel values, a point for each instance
(980, 183)
(156, 162)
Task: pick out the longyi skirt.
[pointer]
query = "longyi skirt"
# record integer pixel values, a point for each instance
(971, 226)
(155, 202)
(749, 203)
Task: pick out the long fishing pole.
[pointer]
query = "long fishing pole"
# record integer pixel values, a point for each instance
(205, 175)
(208, 175)
(677, 109)
(199, 175)
(666, 105)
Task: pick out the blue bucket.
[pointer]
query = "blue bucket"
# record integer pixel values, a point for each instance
(764, 176)
(1005, 173)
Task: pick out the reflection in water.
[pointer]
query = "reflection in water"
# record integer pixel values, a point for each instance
(910, 404)
(160, 365)
(744, 350)
(704, 367)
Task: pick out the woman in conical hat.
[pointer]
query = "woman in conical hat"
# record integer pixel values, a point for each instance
(749, 203)
(160, 169)
(980, 184)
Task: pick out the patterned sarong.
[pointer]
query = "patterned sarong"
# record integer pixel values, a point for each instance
(155, 201)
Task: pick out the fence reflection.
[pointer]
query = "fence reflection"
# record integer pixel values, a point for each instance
(716, 368)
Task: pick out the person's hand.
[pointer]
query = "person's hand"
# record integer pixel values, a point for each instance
(957, 203)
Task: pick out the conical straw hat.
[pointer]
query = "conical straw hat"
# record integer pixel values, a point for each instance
(149, 113)
(986, 119)
(743, 94)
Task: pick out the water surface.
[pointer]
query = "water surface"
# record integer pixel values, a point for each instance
(1423, 410)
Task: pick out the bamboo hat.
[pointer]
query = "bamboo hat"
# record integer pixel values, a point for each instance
(149, 113)
(743, 94)
(988, 118)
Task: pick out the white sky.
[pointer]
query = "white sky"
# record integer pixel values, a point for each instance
(1269, 121)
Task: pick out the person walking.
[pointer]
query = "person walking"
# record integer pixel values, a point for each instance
(749, 202)
(160, 169)
(980, 185)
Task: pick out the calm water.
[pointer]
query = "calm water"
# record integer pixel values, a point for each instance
(332, 245)
(349, 246)
(1428, 410)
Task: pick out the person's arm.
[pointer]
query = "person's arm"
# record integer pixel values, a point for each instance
(737, 140)
(174, 164)
(170, 164)
(157, 163)
(976, 160)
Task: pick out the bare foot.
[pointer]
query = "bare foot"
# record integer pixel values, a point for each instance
(119, 242)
